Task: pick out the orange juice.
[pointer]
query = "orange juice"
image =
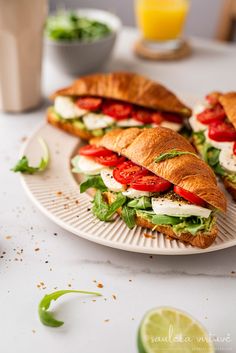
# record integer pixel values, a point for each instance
(161, 20)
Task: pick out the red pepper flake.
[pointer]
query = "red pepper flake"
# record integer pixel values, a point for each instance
(77, 202)
(146, 235)
(233, 272)
(58, 193)
(114, 296)
(8, 237)
(100, 285)
(36, 249)
(23, 138)
(66, 206)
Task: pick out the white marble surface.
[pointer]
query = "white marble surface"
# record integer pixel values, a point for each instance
(203, 285)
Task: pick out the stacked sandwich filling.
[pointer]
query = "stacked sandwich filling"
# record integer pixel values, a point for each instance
(215, 137)
(99, 115)
(134, 191)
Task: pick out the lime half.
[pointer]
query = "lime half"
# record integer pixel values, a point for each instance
(168, 330)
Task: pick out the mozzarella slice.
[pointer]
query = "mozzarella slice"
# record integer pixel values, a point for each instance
(110, 181)
(219, 145)
(228, 160)
(89, 166)
(94, 121)
(129, 123)
(67, 108)
(132, 193)
(171, 125)
(196, 125)
(174, 208)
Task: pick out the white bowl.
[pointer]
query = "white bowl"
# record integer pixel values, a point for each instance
(80, 57)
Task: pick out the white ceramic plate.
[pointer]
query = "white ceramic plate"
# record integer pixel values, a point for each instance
(56, 193)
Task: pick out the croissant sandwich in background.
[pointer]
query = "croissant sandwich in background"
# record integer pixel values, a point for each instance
(98, 103)
(154, 179)
(214, 135)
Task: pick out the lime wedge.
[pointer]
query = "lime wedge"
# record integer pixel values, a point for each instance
(168, 330)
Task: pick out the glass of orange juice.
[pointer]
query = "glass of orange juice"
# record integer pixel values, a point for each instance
(161, 22)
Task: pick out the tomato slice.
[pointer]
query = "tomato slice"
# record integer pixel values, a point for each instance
(111, 160)
(143, 115)
(189, 196)
(89, 103)
(234, 148)
(211, 115)
(151, 183)
(94, 151)
(126, 172)
(222, 131)
(117, 110)
(157, 118)
(213, 98)
(172, 117)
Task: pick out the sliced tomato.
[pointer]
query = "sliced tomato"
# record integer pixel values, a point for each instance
(222, 131)
(151, 183)
(172, 117)
(126, 172)
(189, 196)
(111, 160)
(143, 115)
(213, 98)
(234, 148)
(117, 109)
(89, 103)
(211, 115)
(157, 118)
(94, 151)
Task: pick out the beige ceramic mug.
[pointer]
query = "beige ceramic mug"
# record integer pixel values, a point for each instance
(21, 40)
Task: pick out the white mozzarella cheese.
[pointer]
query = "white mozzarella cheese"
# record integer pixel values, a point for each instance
(171, 125)
(173, 208)
(228, 160)
(94, 121)
(217, 144)
(196, 125)
(89, 166)
(129, 122)
(67, 108)
(110, 181)
(132, 193)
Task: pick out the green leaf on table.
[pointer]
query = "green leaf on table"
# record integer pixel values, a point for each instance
(23, 166)
(45, 316)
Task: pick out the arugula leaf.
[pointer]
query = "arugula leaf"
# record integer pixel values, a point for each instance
(211, 156)
(23, 166)
(142, 203)
(100, 207)
(199, 137)
(46, 317)
(128, 216)
(102, 210)
(166, 220)
(93, 182)
(172, 154)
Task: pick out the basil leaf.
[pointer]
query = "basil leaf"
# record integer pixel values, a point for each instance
(100, 207)
(93, 182)
(46, 317)
(23, 166)
(140, 203)
(166, 220)
(172, 154)
(128, 216)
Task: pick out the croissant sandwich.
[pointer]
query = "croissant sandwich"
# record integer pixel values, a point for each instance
(214, 135)
(98, 103)
(154, 179)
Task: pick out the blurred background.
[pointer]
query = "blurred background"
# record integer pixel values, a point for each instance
(207, 18)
